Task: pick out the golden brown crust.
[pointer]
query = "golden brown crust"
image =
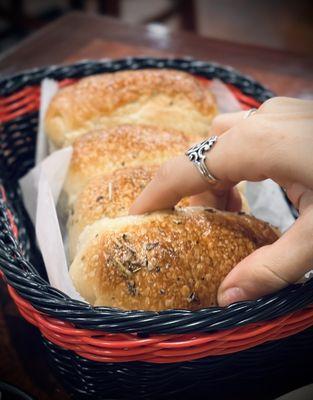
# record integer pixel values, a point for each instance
(164, 260)
(103, 151)
(109, 195)
(87, 104)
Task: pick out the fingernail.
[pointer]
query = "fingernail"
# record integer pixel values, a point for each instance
(231, 296)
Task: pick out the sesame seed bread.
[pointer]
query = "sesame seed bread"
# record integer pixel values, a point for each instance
(108, 195)
(103, 151)
(122, 126)
(160, 97)
(164, 260)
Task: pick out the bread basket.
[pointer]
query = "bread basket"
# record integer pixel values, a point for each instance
(102, 352)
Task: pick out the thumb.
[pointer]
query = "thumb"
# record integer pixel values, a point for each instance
(272, 267)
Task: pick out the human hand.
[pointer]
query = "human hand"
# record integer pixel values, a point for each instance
(275, 142)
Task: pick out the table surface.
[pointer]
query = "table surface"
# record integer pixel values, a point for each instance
(84, 36)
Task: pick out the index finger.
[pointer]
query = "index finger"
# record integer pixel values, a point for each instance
(231, 160)
(174, 180)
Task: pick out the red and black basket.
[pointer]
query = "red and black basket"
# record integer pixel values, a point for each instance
(103, 352)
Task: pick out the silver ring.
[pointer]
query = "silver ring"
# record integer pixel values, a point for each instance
(250, 112)
(197, 155)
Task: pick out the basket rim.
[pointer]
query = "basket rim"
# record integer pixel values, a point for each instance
(131, 63)
(22, 276)
(162, 348)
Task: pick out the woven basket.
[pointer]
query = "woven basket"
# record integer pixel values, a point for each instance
(137, 354)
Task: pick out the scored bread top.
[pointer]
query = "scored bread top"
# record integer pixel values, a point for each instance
(103, 151)
(161, 97)
(164, 260)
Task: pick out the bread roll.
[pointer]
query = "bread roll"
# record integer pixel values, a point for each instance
(109, 196)
(164, 98)
(103, 151)
(164, 260)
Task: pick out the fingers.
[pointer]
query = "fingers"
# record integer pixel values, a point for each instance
(221, 123)
(229, 200)
(210, 199)
(265, 145)
(285, 105)
(177, 178)
(234, 201)
(276, 141)
(233, 158)
(273, 267)
(300, 196)
(239, 154)
(275, 146)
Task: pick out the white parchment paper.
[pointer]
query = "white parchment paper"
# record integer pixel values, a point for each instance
(42, 186)
(49, 87)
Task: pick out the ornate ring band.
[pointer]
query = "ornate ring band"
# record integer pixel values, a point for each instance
(197, 155)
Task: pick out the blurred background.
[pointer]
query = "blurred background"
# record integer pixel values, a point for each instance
(280, 24)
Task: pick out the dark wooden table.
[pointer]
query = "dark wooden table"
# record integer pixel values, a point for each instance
(80, 36)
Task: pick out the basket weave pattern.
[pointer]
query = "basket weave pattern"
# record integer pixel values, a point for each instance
(99, 346)
(110, 335)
